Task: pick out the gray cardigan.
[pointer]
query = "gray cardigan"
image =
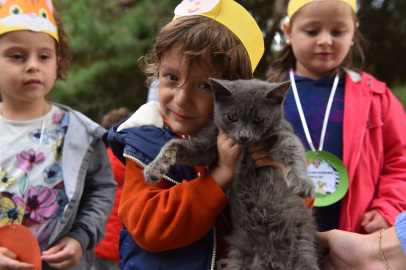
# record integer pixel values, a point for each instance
(89, 185)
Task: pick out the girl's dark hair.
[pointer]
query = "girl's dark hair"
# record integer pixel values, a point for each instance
(62, 49)
(286, 59)
(201, 40)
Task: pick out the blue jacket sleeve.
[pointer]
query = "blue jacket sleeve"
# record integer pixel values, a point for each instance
(400, 227)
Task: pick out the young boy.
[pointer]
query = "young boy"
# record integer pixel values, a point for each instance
(179, 223)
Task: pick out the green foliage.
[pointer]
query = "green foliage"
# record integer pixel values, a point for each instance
(108, 37)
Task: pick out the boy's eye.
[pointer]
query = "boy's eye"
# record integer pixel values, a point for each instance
(232, 117)
(172, 78)
(258, 120)
(205, 86)
(15, 10)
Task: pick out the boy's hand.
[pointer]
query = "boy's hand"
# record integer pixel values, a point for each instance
(66, 253)
(262, 158)
(8, 261)
(229, 151)
(373, 222)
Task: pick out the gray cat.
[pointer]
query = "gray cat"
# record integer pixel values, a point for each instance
(272, 228)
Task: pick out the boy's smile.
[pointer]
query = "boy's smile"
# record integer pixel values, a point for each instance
(185, 95)
(28, 64)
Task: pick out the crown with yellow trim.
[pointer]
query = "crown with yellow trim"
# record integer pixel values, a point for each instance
(234, 17)
(33, 15)
(295, 5)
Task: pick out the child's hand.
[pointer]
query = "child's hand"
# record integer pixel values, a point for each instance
(66, 253)
(8, 261)
(262, 158)
(229, 151)
(373, 222)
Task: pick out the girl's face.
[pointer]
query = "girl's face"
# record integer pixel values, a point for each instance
(321, 34)
(28, 65)
(186, 99)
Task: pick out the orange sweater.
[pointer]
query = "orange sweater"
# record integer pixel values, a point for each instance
(162, 216)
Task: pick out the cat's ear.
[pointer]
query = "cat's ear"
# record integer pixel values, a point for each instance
(50, 6)
(219, 88)
(278, 92)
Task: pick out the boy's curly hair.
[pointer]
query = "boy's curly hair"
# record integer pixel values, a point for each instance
(62, 49)
(201, 40)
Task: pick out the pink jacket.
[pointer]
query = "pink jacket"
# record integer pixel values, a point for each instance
(374, 136)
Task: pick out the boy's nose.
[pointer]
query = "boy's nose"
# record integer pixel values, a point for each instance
(182, 97)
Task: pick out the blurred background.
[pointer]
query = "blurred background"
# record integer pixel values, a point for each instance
(107, 37)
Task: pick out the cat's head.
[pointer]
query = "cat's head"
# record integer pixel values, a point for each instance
(249, 111)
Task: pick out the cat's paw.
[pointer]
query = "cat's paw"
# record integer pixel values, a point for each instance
(156, 170)
(303, 186)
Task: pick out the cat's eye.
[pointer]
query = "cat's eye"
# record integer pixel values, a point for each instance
(16, 10)
(258, 120)
(43, 13)
(232, 117)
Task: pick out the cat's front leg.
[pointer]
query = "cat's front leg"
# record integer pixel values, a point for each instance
(197, 151)
(154, 172)
(293, 157)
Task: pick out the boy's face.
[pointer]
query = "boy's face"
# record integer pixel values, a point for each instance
(28, 65)
(186, 100)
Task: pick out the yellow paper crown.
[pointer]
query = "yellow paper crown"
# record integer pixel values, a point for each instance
(37, 16)
(234, 17)
(295, 5)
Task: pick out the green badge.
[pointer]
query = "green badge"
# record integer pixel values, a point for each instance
(329, 176)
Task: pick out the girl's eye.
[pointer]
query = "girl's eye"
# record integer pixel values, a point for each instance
(43, 13)
(232, 117)
(15, 10)
(172, 78)
(44, 57)
(258, 120)
(311, 32)
(16, 56)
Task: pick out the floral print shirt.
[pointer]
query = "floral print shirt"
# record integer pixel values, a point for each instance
(32, 191)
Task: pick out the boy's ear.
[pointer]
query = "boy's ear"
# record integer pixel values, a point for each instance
(219, 88)
(287, 30)
(278, 91)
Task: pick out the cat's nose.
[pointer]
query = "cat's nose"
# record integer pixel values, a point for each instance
(243, 139)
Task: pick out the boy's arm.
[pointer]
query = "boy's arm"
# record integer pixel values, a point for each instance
(96, 201)
(162, 216)
(390, 199)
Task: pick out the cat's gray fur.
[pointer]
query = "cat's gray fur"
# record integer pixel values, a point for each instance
(272, 228)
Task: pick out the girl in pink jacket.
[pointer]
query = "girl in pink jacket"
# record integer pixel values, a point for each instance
(350, 122)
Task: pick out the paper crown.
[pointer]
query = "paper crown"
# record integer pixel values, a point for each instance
(33, 15)
(234, 17)
(295, 5)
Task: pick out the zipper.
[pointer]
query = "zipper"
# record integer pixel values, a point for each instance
(143, 165)
(213, 259)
